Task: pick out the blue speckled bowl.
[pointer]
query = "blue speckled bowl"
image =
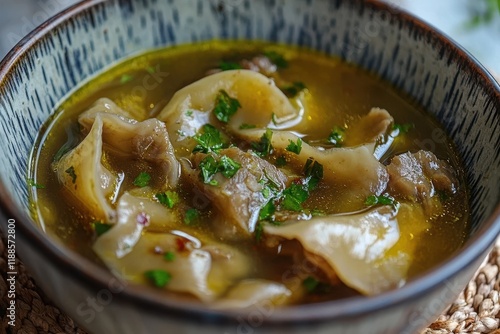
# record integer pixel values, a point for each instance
(80, 42)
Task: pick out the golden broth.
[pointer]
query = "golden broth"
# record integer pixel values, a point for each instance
(338, 95)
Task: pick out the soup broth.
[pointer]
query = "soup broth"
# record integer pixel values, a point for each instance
(264, 203)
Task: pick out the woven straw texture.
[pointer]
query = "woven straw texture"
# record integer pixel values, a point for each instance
(477, 309)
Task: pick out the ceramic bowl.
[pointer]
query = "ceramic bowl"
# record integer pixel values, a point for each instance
(75, 45)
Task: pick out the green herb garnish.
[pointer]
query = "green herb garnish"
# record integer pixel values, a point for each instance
(169, 256)
(225, 106)
(100, 228)
(313, 172)
(277, 59)
(126, 78)
(209, 141)
(209, 166)
(189, 113)
(294, 147)
(484, 14)
(71, 172)
(382, 200)
(229, 65)
(142, 179)
(267, 211)
(280, 161)
(191, 216)
(228, 167)
(159, 277)
(293, 197)
(168, 198)
(310, 284)
(150, 69)
(264, 147)
(337, 136)
(402, 128)
(32, 183)
(247, 126)
(294, 89)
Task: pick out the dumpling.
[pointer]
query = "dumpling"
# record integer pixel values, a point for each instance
(239, 198)
(350, 168)
(353, 247)
(147, 140)
(83, 174)
(134, 214)
(190, 108)
(205, 269)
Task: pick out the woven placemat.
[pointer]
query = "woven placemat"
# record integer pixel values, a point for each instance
(477, 309)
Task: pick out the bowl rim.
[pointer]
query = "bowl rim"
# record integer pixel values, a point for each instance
(91, 275)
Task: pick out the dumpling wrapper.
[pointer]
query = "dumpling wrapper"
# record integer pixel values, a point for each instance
(134, 214)
(251, 293)
(353, 246)
(190, 108)
(83, 173)
(350, 168)
(204, 268)
(148, 140)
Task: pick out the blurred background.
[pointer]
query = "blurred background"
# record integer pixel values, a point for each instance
(475, 24)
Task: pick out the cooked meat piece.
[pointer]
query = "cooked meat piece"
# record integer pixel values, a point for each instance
(417, 176)
(239, 198)
(260, 64)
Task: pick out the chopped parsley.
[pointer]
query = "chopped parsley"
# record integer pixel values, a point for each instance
(337, 136)
(209, 141)
(402, 128)
(158, 277)
(247, 126)
(294, 147)
(71, 172)
(189, 113)
(32, 183)
(293, 89)
(142, 179)
(382, 200)
(259, 230)
(280, 161)
(225, 106)
(191, 216)
(277, 59)
(209, 166)
(228, 167)
(443, 196)
(168, 198)
(293, 197)
(169, 256)
(126, 78)
(229, 65)
(264, 146)
(313, 171)
(100, 228)
(310, 284)
(267, 211)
